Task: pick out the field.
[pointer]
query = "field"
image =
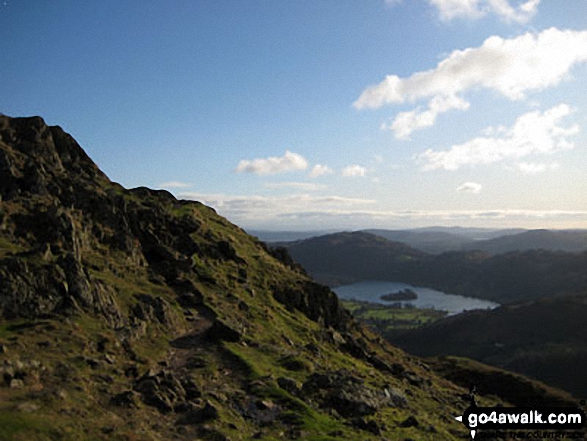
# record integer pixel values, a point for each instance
(389, 320)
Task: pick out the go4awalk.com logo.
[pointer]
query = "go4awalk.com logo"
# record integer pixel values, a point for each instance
(516, 418)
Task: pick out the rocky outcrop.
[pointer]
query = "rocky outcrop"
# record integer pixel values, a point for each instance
(35, 289)
(348, 395)
(316, 301)
(165, 391)
(35, 155)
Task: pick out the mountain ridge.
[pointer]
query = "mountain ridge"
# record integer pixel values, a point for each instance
(571, 241)
(130, 315)
(438, 240)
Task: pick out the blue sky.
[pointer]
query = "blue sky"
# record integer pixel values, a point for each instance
(319, 114)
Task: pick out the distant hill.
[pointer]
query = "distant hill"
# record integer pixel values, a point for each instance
(286, 236)
(426, 240)
(472, 233)
(505, 278)
(437, 240)
(573, 241)
(545, 339)
(348, 257)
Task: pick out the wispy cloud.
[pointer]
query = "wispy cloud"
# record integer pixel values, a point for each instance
(469, 187)
(320, 170)
(308, 186)
(532, 133)
(174, 184)
(512, 67)
(353, 171)
(306, 210)
(474, 9)
(273, 165)
(265, 207)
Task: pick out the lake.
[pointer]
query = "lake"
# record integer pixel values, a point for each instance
(372, 290)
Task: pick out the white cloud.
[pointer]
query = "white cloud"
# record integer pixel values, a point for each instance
(174, 184)
(512, 67)
(273, 165)
(531, 168)
(532, 133)
(308, 186)
(469, 187)
(473, 9)
(320, 170)
(406, 122)
(450, 9)
(308, 211)
(353, 171)
(264, 207)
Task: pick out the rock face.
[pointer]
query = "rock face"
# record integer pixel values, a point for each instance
(47, 183)
(317, 301)
(156, 319)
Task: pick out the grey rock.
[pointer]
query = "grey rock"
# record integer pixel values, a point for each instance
(288, 385)
(197, 416)
(16, 384)
(410, 421)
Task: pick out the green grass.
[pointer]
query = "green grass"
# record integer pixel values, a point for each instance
(8, 247)
(13, 424)
(8, 328)
(16, 426)
(388, 319)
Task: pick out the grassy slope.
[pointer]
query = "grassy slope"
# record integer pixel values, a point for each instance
(67, 395)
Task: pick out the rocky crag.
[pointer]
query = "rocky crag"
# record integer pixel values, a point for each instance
(130, 315)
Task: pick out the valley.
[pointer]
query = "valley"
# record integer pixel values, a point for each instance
(538, 330)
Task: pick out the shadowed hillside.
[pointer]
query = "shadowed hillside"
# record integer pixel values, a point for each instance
(568, 241)
(434, 242)
(546, 339)
(505, 278)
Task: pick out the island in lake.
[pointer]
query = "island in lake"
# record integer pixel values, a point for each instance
(404, 294)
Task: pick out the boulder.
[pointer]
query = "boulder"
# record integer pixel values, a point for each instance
(410, 421)
(197, 416)
(128, 399)
(162, 390)
(221, 330)
(348, 395)
(288, 385)
(15, 383)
